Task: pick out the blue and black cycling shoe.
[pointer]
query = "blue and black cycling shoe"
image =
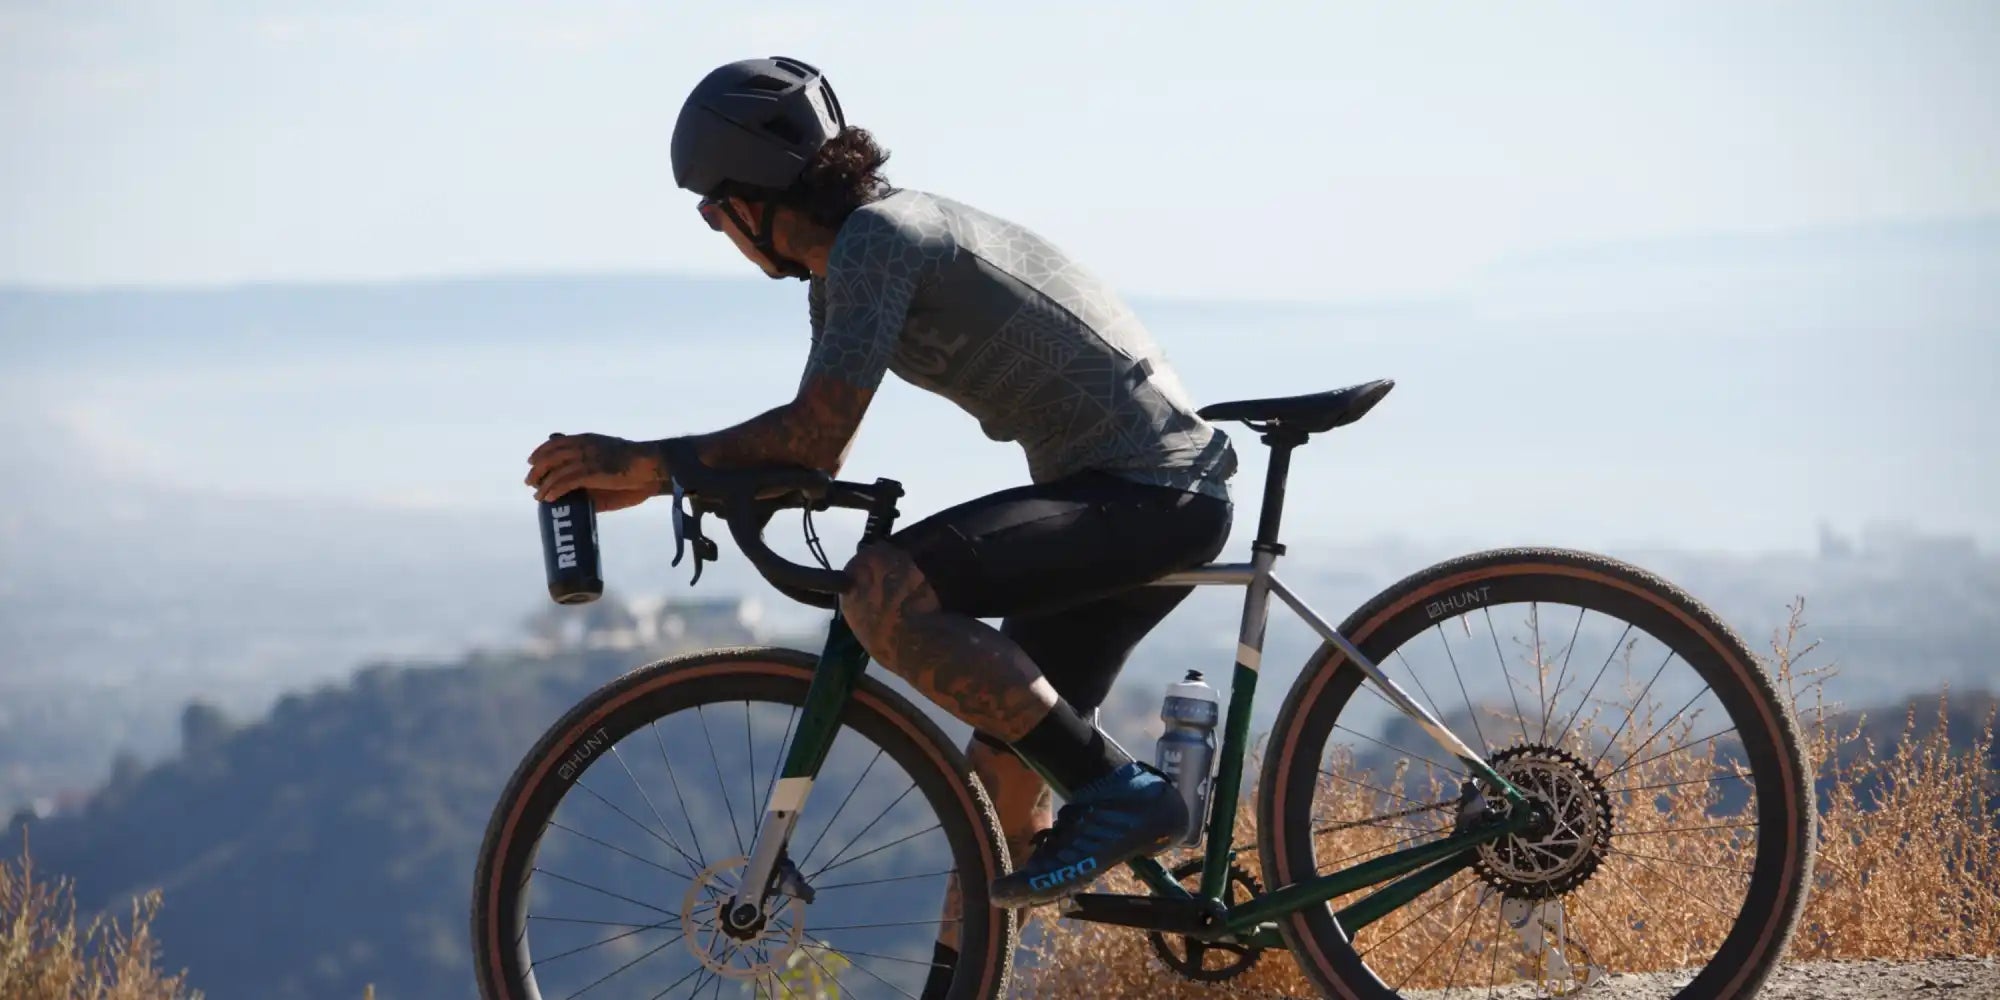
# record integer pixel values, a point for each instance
(1130, 812)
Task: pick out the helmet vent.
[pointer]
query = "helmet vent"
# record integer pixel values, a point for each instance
(770, 84)
(800, 69)
(784, 129)
(832, 104)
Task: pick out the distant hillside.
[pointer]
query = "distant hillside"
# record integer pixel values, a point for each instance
(331, 844)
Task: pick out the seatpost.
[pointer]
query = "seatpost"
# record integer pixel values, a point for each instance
(1282, 442)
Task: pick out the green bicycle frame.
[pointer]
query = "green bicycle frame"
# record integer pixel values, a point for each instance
(1417, 869)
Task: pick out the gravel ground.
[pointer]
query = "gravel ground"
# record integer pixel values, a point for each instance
(1939, 979)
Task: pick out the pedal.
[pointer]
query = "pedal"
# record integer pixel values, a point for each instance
(1195, 916)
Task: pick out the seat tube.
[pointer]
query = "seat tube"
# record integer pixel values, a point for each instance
(1249, 657)
(1236, 727)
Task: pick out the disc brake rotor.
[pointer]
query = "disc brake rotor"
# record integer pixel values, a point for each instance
(762, 951)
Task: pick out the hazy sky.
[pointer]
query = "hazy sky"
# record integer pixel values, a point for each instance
(1305, 150)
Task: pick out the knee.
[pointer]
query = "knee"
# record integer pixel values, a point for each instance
(885, 586)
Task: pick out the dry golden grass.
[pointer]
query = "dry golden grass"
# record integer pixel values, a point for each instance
(44, 955)
(1912, 873)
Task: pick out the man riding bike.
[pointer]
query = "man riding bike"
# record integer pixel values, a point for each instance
(1126, 483)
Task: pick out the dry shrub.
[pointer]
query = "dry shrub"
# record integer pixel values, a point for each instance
(1908, 862)
(45, 956)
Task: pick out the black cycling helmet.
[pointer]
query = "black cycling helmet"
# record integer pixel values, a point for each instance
(755, 122)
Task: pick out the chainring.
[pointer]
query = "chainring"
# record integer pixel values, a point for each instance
(1192, 962)
(1566, 852)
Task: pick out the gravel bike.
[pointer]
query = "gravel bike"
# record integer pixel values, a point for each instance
(1402, 848)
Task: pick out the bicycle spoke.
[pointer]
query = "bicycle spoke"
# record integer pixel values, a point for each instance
(622, 968)
(1690, 829)
(1620, 937)
(1413, 921)
(1369, 851)
(1505, 674)
(594, 923)
(633, 819)
(1400, 750)
(644, 861)
(691, 973)
(900, 840)
(1476, 728)
(1663, 728)
(1493, 968)
(750, 747)
(1608, 657)
(1437, 712)
(1678, 784)
(538, 963)
(864, 830)
(864, 968)
(1452, 976)
(1562, 673)
(685, 815)
(620, 758)
(823, 831)
(894, 923)
(878, 881)
(838, 985)
(720, 785)
(1630, 712)
(1675, 750)
(1684, 890)
(605, 892)
(1541, 669)
(1372, 788)
(1687, 864)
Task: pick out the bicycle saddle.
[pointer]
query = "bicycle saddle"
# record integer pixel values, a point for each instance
(1320, 411)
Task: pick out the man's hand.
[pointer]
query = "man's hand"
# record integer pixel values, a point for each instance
(618, 473)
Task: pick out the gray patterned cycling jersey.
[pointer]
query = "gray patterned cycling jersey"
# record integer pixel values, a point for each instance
(992, 317)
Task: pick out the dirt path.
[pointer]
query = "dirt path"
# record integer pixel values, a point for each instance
(1941, 979)
(1948, 979)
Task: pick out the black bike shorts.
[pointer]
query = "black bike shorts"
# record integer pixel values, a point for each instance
(1063, 565)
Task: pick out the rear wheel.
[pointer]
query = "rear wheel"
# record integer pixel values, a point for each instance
(625, 828)
(1679, 845)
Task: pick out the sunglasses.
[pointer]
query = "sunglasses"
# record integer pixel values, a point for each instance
(715, 208)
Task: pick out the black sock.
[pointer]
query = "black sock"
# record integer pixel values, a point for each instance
(1071, 750)
(944, 958)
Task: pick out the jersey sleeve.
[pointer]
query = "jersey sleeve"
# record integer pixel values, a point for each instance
(876, 269)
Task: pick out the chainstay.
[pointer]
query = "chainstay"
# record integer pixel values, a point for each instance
(1245, 991)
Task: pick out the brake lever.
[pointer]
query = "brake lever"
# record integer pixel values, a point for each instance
(687, 528)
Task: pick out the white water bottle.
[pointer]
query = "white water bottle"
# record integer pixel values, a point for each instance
(1186, 751)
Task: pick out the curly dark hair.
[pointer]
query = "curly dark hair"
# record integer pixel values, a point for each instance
(842, 175)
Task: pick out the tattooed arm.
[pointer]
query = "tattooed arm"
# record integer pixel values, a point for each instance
(858, 309)
(816, 429)
(874, 273)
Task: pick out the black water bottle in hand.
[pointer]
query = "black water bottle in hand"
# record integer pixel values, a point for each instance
(569, 548)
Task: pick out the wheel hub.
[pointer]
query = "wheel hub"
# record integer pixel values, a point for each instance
(1569, 831)
(728, 937)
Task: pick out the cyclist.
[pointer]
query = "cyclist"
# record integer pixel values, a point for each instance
(1126, 483)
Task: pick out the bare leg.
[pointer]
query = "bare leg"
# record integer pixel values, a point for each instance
(959, 662)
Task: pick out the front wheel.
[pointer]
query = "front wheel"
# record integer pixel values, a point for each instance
(622, 832)
(1678, 847)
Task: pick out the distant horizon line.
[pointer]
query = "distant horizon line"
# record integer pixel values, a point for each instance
(1977, 227)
